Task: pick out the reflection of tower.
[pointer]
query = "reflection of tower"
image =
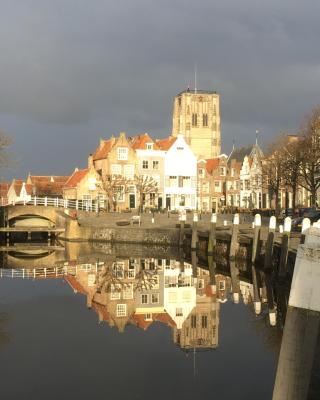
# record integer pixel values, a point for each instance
(196, 114)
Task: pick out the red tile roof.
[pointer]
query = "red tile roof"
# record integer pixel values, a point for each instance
(165, 144)
(164, 318)
(140, 141)
(103, 150)
(48, 185)
(75, 284)
(4, 187)
(212, 164)
(76, 177)
(140, 322)
(101, 309)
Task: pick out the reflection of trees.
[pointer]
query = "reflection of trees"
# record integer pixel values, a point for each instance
(116, 279)
(4, 336)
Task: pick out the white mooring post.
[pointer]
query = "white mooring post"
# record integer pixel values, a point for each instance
(46, 201)
(269, 244)
(256, 238)
(301, 328)
(35, 200)
(306, 223)
(285, 247)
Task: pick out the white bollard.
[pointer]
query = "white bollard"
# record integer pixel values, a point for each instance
(281, 228)
(273, 222)
(273, 318)
(214, 218)
(236, 219)
(35, 200)
(306, 223)
(225, 223)
(195, 217)
(45, 201)
(287, 225)
(152, 220)
(252, 225)
(257, 220)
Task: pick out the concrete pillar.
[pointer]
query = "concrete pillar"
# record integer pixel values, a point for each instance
(234, 237)
(194, 238)
(269, 244)
(212, 234)
(181, 234)
(284, 247)
(306, 223)
(212, 271)
(256, 291)
(302, 323)
(256, 238)
(235, 282)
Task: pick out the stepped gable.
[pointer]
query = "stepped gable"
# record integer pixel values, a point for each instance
(103, 150)
(139, 142)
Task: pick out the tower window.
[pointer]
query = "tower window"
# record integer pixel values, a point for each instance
(194, 119)
(205, 119)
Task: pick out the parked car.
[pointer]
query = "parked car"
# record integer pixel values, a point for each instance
(313, 215)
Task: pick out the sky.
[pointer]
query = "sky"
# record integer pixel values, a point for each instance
(75, 71)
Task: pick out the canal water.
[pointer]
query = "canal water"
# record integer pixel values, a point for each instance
(133, 323)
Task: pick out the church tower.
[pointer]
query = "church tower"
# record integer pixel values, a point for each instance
(196, 114)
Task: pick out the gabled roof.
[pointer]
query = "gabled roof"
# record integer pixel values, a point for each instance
(101, 310)
(76, 177)
(165, 144)
(72, 281)
(240, 152)
(17, 186)
(103, 150)
(140, 141)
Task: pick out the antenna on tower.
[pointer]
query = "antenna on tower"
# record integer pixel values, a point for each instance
(257, 133)
(195, 78)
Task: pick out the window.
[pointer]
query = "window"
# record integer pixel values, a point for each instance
(144, 299)
(148, 317)
(204, 321)
(222, 171)
(179, 312)
(152, 199)
(145, 164)
(193, 321)
(194, 119)
(149, 146)
(118, 270)
(122, 153)
(222, 285)
(217, 185)
(232, 172)
(155, 298)
(200, 283)
(155, 164)
(180, 181)
(115, 169)
(128, 171)
(131, 274)
(121, 310)
(128, 292)
(205, 119)
(119, 192)
(201, 173)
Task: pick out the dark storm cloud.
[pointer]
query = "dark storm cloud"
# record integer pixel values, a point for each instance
(74, 70)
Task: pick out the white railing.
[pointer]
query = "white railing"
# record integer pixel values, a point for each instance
(84, 205)
(48, 272)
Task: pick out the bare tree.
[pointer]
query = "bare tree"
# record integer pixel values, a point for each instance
(272, 170)
(310, 154)
(292, 161)
(115, 187)
(5, 142)
(145, 184)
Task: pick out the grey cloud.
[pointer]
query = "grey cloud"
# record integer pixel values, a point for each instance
(74, 70)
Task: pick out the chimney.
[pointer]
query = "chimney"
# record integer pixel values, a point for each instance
(90, 161)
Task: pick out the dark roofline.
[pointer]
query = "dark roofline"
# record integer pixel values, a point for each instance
(197, 91)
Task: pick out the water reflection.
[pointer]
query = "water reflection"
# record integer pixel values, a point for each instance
(167, 288)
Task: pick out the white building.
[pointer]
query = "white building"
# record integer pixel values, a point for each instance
(180, 173)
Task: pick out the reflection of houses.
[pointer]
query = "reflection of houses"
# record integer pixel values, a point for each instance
(201, 327)
(180, 173)
(179, 291)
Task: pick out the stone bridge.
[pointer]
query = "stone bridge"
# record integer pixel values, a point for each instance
(30, 215)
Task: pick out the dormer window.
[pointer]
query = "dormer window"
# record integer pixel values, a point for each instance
(149, 146)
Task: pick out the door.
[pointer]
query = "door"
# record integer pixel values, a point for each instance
(132, 201)
(168, 202)
(159, 202)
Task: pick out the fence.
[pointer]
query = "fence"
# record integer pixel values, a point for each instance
(84, 205)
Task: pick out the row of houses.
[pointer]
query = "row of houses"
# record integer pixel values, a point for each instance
(127, 172)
